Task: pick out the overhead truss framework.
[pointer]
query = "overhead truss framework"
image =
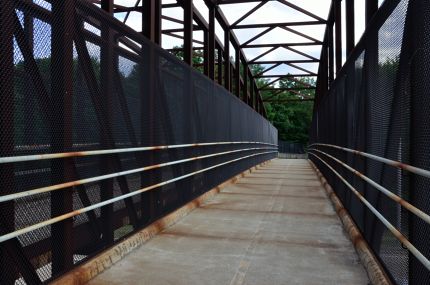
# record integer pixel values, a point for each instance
(236, 75)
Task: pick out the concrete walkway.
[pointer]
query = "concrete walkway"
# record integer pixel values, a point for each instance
(274, 226)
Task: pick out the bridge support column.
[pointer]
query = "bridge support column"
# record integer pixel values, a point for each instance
(237, 73)
(220, 64)
(151, 20)
(211, 43)
(251, 90)
(188, 31)
(62, 135)
(106, 67)
(152, 30)
(338, 35)
(371, 9)
(7, 107)
(418, 59)
(350, 26)
(245, 82)
(330, 54)
(227, 78)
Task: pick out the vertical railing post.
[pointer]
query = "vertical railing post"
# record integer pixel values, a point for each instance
(106, 67)
(338, 35)
(350, 26)
(220, 64)
(245, 82)
(251, 90)
(211, 45)
(227, 77)
(206, 52)
(371, 7)
(151, 20)
(417, 33)
(61, 127)
(29, 28)
(157, 21)
(28, 105)
(237, 73)
(151, 23)
(7, 109)
(330, 52)
(188, 31)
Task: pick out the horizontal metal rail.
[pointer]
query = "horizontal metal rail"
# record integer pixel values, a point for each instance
(50, 188)
(113, 200)
(384, 190)
(34, 157)
(398, 164)
(389, 226)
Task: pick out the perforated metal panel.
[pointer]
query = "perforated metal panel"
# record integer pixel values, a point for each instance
(377, 104)
(78, 80)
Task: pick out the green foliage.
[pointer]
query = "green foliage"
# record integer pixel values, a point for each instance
(198, 58)
(292, 119)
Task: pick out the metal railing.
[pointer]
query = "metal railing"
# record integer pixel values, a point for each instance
(41, 190)
(419, 213)
(97, 136)
(57, 219)
(370, 124)
(290, 147)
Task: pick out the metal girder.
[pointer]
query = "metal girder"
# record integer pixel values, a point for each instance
(282, 24)
(282, 75)
(288, 89)
(226, 73)
(281, 45)
(248, 13)
(350, 23)
(188, 31)
(223, 47)
(371, 8)
(211, 43)
(288, 100)
(289, 78)
(285, 61)
(338, 33)
(182, 38)
(295, 7)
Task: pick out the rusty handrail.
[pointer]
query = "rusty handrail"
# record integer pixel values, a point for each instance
(384, 190)
(398, 164)
(55, 187)
(11, 159)
(412, 249)
(57, 219)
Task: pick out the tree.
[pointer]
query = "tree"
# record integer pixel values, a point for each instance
(292, 119)
(198, 58)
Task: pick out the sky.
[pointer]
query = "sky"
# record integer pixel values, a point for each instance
(272, 11)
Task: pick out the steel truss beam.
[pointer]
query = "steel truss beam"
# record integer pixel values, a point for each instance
(228, 73)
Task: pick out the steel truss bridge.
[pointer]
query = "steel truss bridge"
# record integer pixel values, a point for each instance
(107, 139)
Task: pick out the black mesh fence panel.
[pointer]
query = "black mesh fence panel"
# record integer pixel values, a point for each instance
(290, 147)
(379, 104)
(74, 79)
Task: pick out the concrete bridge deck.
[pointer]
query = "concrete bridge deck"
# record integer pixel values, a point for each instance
(274, 226)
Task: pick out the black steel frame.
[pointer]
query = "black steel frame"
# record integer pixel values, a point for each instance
(70, 39)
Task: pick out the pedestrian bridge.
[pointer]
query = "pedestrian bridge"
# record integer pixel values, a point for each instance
(274, 225)
(123, 161)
